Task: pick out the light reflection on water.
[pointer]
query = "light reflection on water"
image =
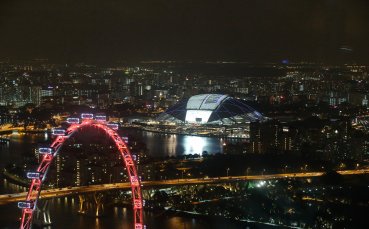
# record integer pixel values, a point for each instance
(11, 188)
(162, 145)
(194, 145)
(158, 145)
(172, 145)
(64, 212)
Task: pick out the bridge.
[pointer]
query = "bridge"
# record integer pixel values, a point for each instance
(61, 192)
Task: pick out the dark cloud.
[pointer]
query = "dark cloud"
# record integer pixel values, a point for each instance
(252, 30)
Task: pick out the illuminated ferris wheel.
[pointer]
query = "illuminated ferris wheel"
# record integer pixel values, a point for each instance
(49, 153)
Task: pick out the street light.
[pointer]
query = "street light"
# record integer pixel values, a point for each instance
(247, 171)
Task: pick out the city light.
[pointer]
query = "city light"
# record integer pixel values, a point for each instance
(125, 139)
(261, 184)
(228, 114)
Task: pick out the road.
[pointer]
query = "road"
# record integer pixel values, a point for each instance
(59, 192)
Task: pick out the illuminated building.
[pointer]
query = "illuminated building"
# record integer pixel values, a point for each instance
(211, 109)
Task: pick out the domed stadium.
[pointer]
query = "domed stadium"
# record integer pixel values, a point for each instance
(211, 109)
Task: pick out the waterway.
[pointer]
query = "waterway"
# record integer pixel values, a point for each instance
(64, 215)
(63, 210)
(160, 144)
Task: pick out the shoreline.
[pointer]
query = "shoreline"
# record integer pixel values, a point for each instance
(186, 134)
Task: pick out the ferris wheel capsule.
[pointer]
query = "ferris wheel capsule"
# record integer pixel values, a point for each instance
(58, 132)
(45, 150)
(73, 120)
(26, 204)
(87, 116)
(113, 126)
(100, 118)
(34, 175)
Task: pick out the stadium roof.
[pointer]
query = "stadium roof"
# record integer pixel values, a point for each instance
(212, 109)
(205, 101)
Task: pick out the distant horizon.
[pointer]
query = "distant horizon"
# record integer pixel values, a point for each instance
(169, 61)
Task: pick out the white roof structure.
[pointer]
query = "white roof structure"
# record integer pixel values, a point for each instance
(205, 101)
(211, 109)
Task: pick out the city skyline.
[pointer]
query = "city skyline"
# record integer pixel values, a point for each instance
(177, 114)
(288, 137)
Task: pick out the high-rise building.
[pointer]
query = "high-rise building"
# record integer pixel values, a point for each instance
(35, 95)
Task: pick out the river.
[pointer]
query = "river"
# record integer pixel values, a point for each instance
(63, 210)
(160, 144)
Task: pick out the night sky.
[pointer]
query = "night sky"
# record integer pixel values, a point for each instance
(332, 31)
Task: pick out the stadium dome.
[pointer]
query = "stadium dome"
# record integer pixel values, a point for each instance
(211, 109)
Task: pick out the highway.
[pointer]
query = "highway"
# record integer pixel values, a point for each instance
(60, 192)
